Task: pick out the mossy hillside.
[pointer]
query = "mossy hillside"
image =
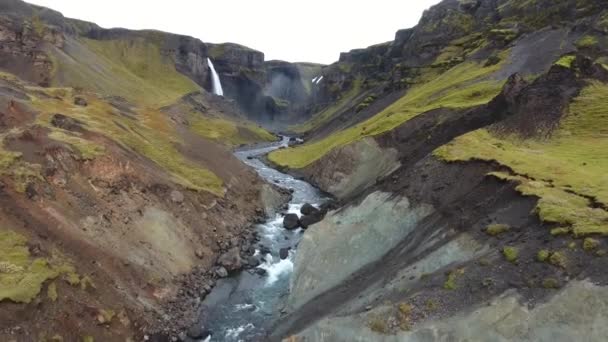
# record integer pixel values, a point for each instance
(328, 113)
(12, 166)
(88, 150)
(149, 134)
(567, 172)
(465, 85)
(135, 69)
(228, 132)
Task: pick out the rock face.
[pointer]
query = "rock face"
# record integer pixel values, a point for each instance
(291, 221)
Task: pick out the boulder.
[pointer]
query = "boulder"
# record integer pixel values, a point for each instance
(308, 209)
(67, 123)
(231, 260)
(197, 332)
(221, 272)
(79, 101)
(308, 220)
(284, 253)
(177, 197)
(291, 221)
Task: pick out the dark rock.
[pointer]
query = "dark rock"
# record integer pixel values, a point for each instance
(260, 271)
(79, 101)
(250, 157)
(308, 220)
(284, 253)
(231, 260)
(196, 332)
(67, 123)
(308, 209)
(253, 261)
(291, 221)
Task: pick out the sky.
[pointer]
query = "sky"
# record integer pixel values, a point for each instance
(294, 31)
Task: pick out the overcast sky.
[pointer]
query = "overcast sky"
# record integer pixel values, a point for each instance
(295, 31)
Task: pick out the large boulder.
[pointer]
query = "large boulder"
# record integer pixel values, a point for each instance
(308, 220)
(284, 253)
(291, 221)
(308, 209)
(231, 260)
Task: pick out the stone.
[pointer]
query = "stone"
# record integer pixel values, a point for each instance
(284, 253)
(308, 220)
(67, 123)
(199, 253)
(177, 197)
(196, 331)
(231, 260)
(79, 101)
(221, 272)
(291, 221)
(308, 209)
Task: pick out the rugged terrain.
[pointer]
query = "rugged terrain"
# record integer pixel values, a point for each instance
(469, 157)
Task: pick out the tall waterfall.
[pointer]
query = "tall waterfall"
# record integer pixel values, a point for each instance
(217, 85)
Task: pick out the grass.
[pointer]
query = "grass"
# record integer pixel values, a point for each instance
(565, 171)
(133, 68)
(587, 42)
(88, 150)
(551, 283)
(228, 132)
(465, 85)
(558, 259)
(566, 61)
(543, 255)
(590, 244)
(510, 253)
(12, 166)
(150, 134)
(497, 229)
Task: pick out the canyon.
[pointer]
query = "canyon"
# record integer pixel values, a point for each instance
(447, 185)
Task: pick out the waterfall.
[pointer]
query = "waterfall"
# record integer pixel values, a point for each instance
(217, 85)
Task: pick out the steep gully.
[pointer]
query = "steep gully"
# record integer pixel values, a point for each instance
(242, 306)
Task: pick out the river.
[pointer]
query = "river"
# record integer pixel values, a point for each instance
(243, 306)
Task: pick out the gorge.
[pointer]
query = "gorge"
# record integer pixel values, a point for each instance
(448, 185)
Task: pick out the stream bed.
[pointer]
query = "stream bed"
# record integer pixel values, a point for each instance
(243, 306)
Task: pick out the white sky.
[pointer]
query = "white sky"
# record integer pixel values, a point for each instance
(295, 31)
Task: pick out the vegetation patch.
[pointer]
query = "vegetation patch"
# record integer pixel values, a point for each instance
(558, 259)
(88, 150)
(543, 255)
(227, 131)
(551, 283)
(465, 85)
(450, 282)
(12, 166)
(587, 42)
(590, 244)
(566, 61)
(497, 229)
(510, 253)
(570, 182)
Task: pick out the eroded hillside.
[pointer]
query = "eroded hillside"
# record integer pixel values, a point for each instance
(469, 158)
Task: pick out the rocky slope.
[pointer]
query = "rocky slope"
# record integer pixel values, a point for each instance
(118, 185)
(468, 157)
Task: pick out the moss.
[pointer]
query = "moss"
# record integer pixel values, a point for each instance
(88, 339)
(72, 278)
(52, 292)
(86, 283)
(136, 69)
(587, 42)
(228, 132)
(510, 253)
(542, 255)
(404, 316)
(572, 245)
(450, 282)
(217, 51)
(558, 259)
(379, 325)
(560, 230)
(88, 150)
(11, 164)
(23, 276)
(551, 283)
(465, 85)
(590, 244)
(575, 158)
(497, 229)
(57, 338)
(151, 135)
(566, 61)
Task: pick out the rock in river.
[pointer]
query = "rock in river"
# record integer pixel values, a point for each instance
(308, 209)
(291, 221)
(308, 220)
(284, 253)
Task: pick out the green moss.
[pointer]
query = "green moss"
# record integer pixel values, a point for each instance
(72, 278)
(11, 165)
(52, 292)
(88, 339)
(450, 282)
(106, 316)
(228, 132)
(590, 244)
(136, 69)
(558, 231)
(21, 277)
(88, 150)
(378, 324)
(551, 283)
(510, 253)
(86, 283)
(566, 61)
(542, 255)
(558, 259)
(151, 135)
(465, 85)
(497, 229)
(587, 42)
(574, 160)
